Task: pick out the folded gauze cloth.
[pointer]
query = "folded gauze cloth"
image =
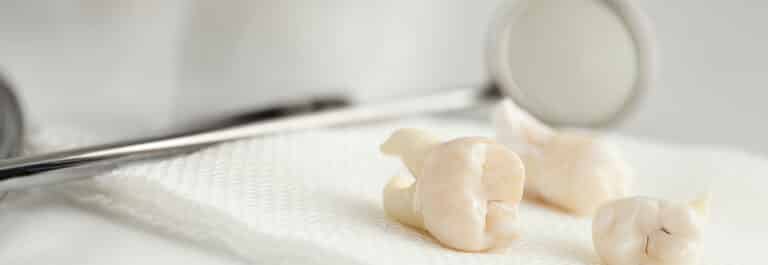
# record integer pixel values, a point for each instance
(314, 197)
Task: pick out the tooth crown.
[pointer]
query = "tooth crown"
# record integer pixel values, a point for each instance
(466, 191)
(645, 231)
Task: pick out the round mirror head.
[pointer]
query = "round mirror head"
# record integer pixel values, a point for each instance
(572, 63)
(10, 122)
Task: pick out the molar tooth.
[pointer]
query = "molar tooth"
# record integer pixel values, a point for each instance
(644, 231)
(466, 191)
(575, 170)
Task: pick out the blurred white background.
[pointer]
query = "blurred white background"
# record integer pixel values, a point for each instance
(133, 66)
(148, 64)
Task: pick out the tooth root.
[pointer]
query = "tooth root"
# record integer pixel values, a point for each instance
(411, 146)
(398, 200)
(516, 124)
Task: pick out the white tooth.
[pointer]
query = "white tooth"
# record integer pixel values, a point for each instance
(645, 231)
(574, 170)
(466, 191)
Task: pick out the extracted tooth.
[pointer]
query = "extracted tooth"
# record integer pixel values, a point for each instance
(645, 231)
(574, 170)
(465, 193)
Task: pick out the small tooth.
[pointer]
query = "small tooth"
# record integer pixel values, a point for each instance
(639, 236)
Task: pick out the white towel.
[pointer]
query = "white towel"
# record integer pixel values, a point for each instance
(315, 198)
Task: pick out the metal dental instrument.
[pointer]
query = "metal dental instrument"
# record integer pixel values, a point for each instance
(31, 171)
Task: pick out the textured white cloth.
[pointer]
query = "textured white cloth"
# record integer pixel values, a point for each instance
(314, 198)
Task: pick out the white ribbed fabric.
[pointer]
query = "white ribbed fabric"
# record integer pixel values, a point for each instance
(314, 198)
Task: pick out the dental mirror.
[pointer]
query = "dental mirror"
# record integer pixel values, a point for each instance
(577, 63)
(581, 63)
